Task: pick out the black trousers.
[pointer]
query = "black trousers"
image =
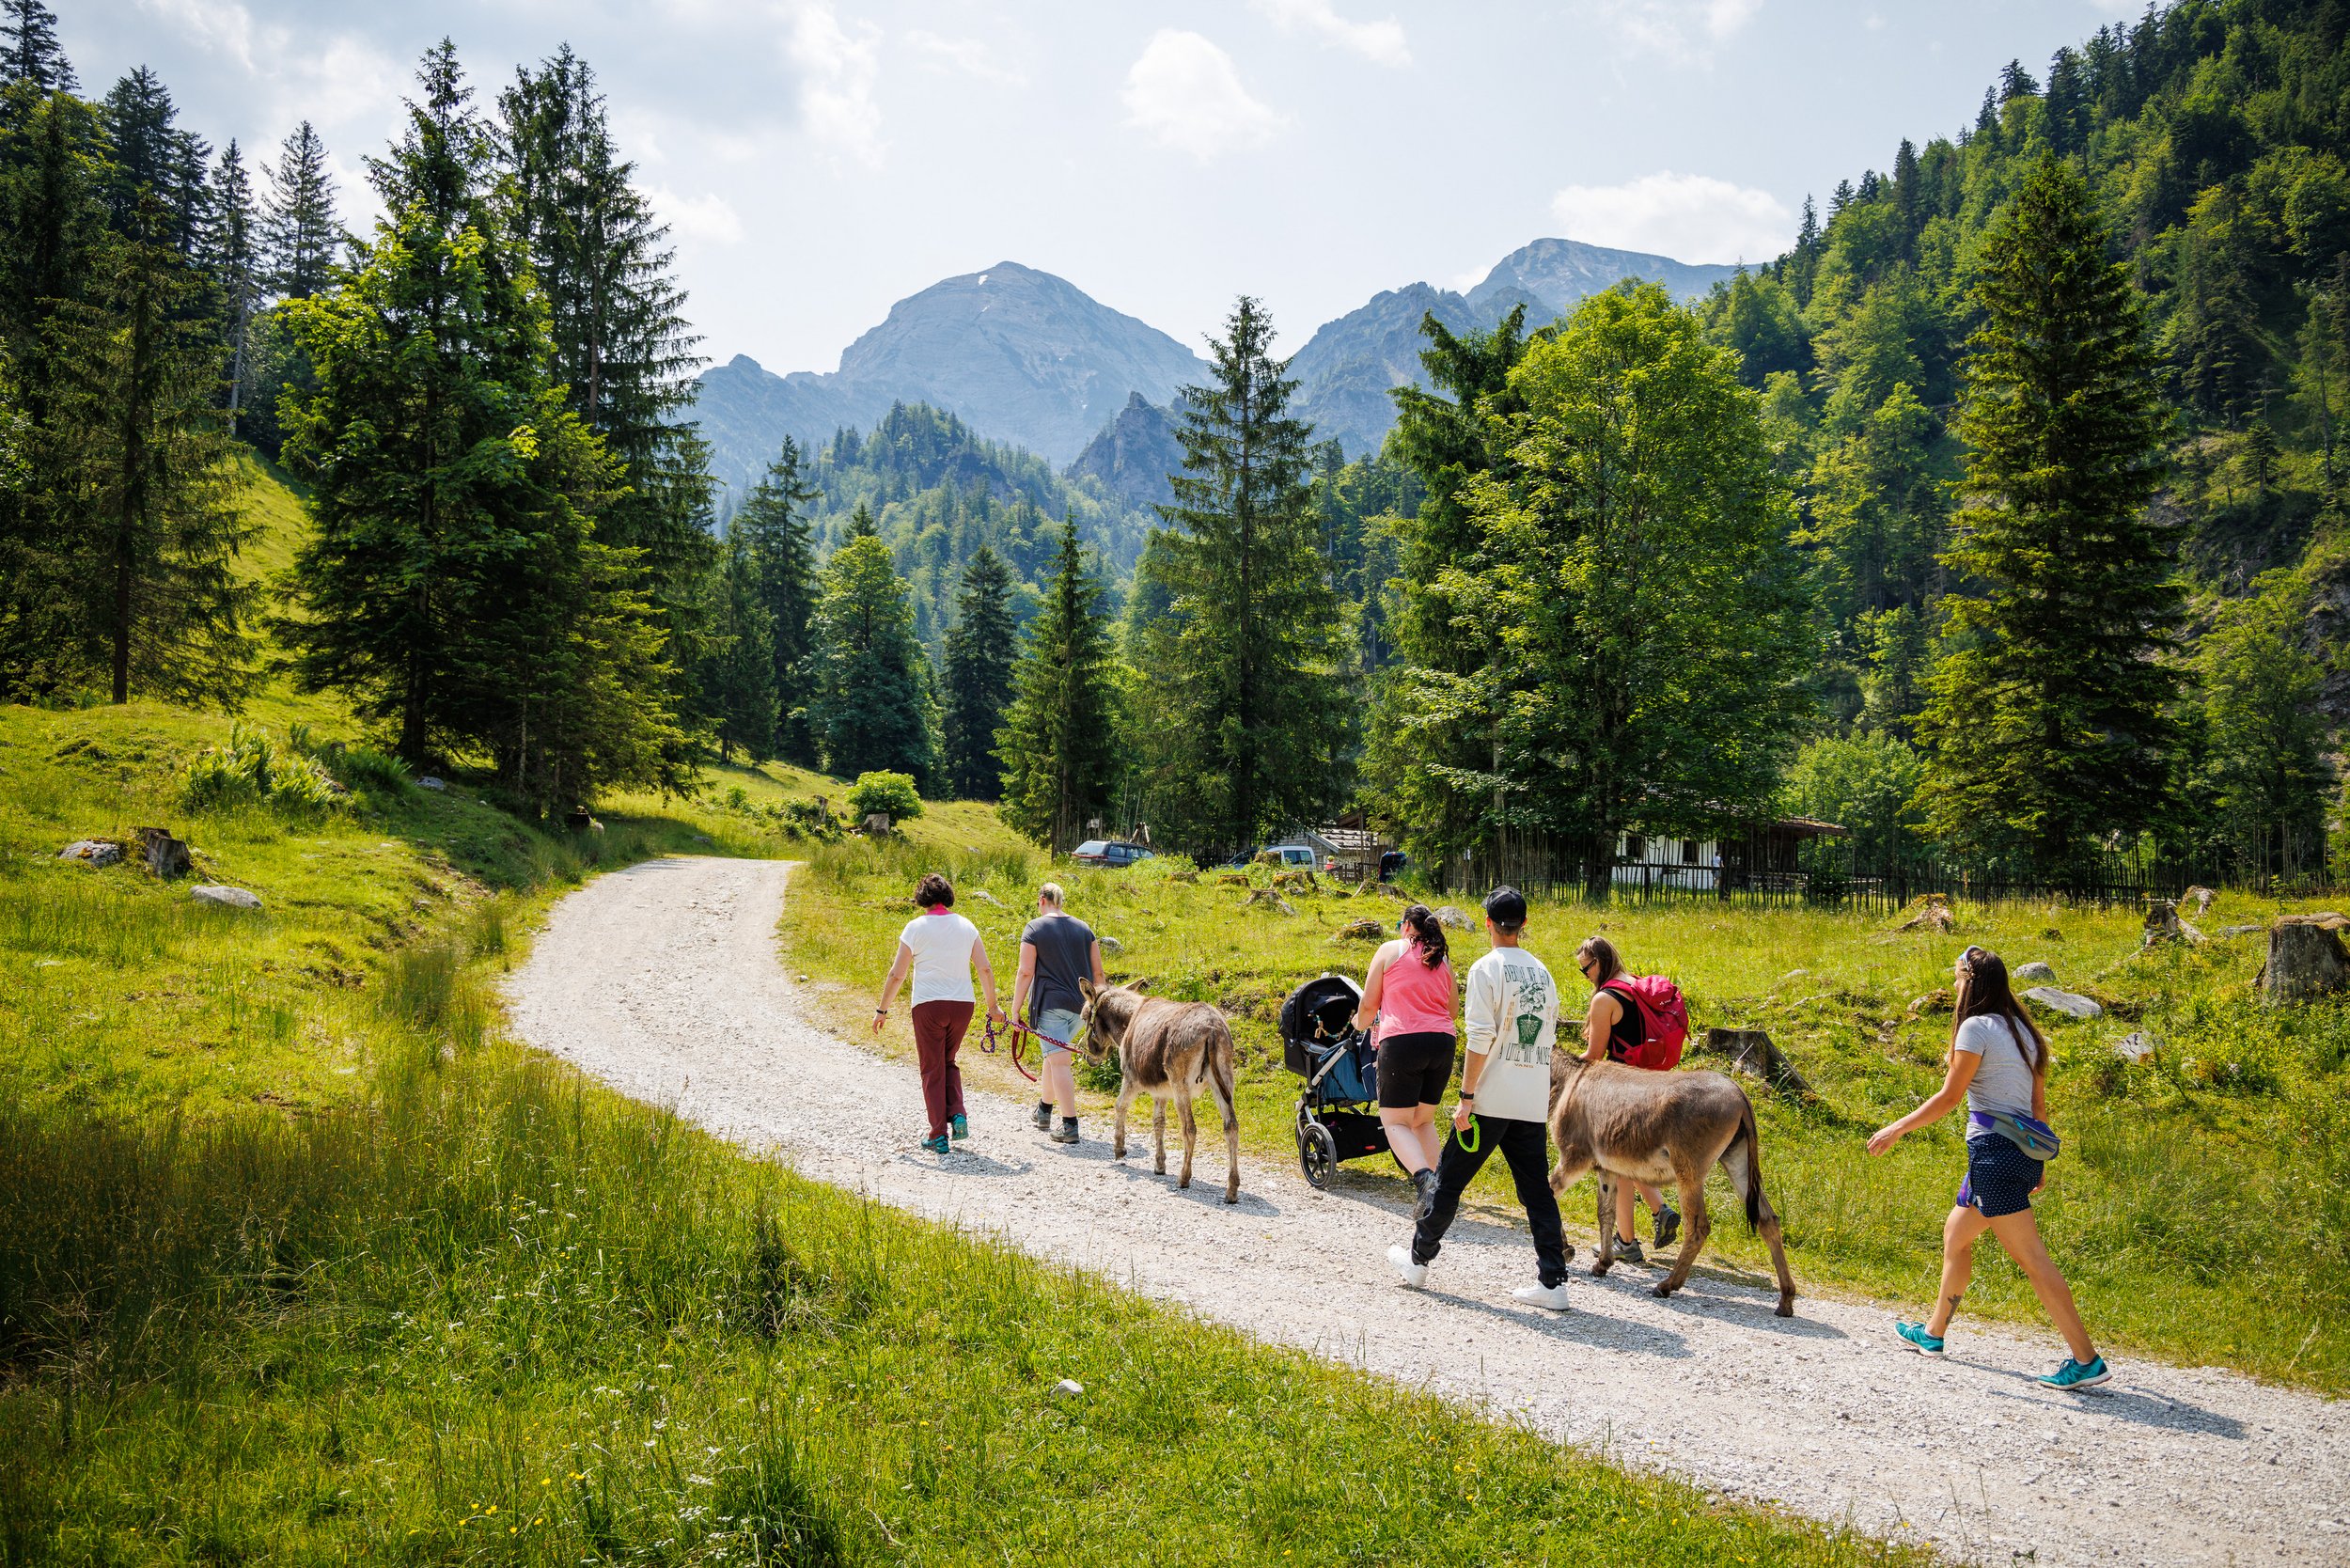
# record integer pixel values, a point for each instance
(1527, 1146)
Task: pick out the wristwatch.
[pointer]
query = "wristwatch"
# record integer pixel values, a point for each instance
(1468, 1094)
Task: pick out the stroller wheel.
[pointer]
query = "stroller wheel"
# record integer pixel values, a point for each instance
(1317, 1153)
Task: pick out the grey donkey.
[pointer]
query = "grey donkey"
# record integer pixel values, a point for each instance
(1170, 1051)
(1661, 1127)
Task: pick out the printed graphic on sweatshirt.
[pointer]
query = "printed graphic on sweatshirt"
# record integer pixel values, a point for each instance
(1531, 985)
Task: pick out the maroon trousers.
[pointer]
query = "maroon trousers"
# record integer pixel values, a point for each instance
(938, 1031)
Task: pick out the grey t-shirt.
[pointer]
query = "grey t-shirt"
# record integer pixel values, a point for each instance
(2003, 1081)
(1064, 956)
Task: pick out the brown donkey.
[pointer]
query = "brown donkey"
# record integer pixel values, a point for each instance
(1661, 1127)
(1167, 1050)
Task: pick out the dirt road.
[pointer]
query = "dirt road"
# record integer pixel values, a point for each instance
(664, 982)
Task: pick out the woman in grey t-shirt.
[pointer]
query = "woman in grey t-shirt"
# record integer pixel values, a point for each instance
(2000, 1067)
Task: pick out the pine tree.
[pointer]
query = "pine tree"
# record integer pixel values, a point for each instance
(1060, 741)
(1255, 668)
(28, 35)
(231, 258)
(152, 156)
(741, 665)
(301, 234)
(978, 675)
(152, 572)
(872, 707)
(774, 519)
(2047, 724)
(453, 586)
(2266, 763)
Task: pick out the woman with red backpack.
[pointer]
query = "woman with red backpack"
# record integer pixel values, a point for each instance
(1641, 1021)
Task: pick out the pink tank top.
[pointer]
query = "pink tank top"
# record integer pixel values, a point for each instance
(1416, 999)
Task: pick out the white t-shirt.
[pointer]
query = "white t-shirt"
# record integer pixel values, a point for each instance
(1512, 1017)
(2002, 1080)
(941, 944)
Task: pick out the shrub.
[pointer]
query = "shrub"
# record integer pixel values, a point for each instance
(890, 793)
(251, 770)
(364, 767)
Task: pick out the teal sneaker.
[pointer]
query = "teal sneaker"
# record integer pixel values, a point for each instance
(959, 1127)
(1914, 1335)
(2072, 1375)
(939, 1145)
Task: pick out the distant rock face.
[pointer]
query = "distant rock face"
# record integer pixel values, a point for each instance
(1346, 369)
(1133, 454)
(1553, 276)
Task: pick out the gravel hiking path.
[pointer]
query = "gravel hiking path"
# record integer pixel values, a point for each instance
(663, 980)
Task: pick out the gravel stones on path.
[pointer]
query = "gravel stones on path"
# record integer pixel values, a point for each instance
(663, 980)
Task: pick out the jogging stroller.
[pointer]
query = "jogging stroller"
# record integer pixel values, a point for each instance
(1338, 1112)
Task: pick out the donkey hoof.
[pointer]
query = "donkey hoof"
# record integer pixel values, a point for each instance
(1660, 1288)
(1786, 1307)
(1602, 1266)
(1183, 1185)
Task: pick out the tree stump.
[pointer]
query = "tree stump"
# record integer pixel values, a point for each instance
(166, 855)
(2305, 960)
(2200, 898)
(1750, 1052)
(2164, 925)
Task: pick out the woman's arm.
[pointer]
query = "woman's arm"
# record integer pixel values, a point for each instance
(889, 987)
(987, 977)
(1374, 985)
(1026, 977)
(1599, 1025)
(1100, 976)
(1952, 1092)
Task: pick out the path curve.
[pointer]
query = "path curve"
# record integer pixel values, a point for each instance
(664, 982)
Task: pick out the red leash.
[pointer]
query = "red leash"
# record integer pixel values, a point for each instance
(988, 1045)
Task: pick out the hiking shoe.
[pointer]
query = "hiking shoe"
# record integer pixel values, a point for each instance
(1424, 1186)
(1067, 1131)
(959, 1126)
(1413, 1274)
(1630, 1250)
(2072, 1375)
(939, 1145)
(1043, 1116)
(1667, 1226)
(1552, 1297)
(1914, 1335)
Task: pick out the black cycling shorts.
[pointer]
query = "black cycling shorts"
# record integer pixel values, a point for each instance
(1414, 1070)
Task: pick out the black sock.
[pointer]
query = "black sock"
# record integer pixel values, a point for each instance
(1069, 1122)
(1045, 1106)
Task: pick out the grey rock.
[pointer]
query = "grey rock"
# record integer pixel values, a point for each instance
(2035, 970)
(91, 852)
(1068, 1388)
(228, 898)
(2069, 1003)
(1454, 919)
(1112, 946)
(2134, 1047)
(430, 782)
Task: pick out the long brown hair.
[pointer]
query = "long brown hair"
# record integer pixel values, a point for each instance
(1602, 951)
(1428, 931)
(1984, 992)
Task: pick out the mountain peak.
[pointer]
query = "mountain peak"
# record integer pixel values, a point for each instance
(1556, 274)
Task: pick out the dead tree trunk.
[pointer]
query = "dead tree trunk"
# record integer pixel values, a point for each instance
(2304, 960)
(1750, 1052)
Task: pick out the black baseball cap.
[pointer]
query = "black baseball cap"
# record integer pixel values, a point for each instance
(1505, 907)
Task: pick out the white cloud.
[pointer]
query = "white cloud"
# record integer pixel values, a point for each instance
(708, 217)
(1689, 217)
(970, 57)
(836, 77)
(1683, 30)
(1380, 42)
(1185, 93)
(335, 80)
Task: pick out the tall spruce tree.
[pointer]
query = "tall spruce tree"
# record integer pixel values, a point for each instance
(231, 256)
(1059, 744)
(301, 234)
(2266, 767)
(774, 519)
(740, 661)
(979, 677)
(453, 586)
(1252, 660)
(872, 706)
(153, 156)
(28, 36)
(2048, 726)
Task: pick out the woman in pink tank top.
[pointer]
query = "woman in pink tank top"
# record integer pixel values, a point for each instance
(1409, 990)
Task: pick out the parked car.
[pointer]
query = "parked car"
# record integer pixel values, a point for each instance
(1294, 854)
(1108, 852)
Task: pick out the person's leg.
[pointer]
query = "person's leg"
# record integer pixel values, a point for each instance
(2019, 1234)
(1525, 1146)
(957, 1024)
(930, 1039)
(1624, 1220)
(1059, 1027)
(1456, 1168)
(1959, 1232)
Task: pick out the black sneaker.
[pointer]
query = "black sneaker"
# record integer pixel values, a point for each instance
(1043, 1116)
(1667, 1226)
(1424, 1181)
(1067, 1131)
(1630, 1250)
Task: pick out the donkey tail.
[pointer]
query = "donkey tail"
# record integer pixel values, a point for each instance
(1754, 1165)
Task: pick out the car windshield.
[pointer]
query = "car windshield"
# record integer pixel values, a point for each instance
(1092, 846)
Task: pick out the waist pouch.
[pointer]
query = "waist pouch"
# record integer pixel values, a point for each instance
(2033, 1136)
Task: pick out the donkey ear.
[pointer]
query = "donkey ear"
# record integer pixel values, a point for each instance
(1139, 985)
(1085, 986)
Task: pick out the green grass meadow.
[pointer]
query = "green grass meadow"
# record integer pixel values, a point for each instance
(2202, 1208)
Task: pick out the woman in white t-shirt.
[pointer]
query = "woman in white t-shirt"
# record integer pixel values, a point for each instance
(940, 948)
(2000, 1067)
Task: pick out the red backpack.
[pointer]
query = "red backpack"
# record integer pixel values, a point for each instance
(1664, 1020)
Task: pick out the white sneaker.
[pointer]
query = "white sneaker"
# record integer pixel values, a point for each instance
(1552, 1297)
(1413, 1274)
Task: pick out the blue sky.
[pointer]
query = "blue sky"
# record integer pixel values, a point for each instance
(820, 158)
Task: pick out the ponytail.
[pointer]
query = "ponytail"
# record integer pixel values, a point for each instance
(1426, 931)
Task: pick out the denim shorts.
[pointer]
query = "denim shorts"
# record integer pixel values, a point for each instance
(1056, 1024)
(2000, 1177)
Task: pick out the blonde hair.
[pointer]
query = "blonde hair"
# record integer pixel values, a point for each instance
(1051, 894)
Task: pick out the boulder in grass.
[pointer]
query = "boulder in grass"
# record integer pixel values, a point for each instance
(92, 851)
(227, 898)
(2134, 1047)
(1454, 919)
(1112, 946)
(2034, 972)
(429, 782)
(2070, 1003)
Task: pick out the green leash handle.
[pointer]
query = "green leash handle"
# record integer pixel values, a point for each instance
(1472, 1138)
